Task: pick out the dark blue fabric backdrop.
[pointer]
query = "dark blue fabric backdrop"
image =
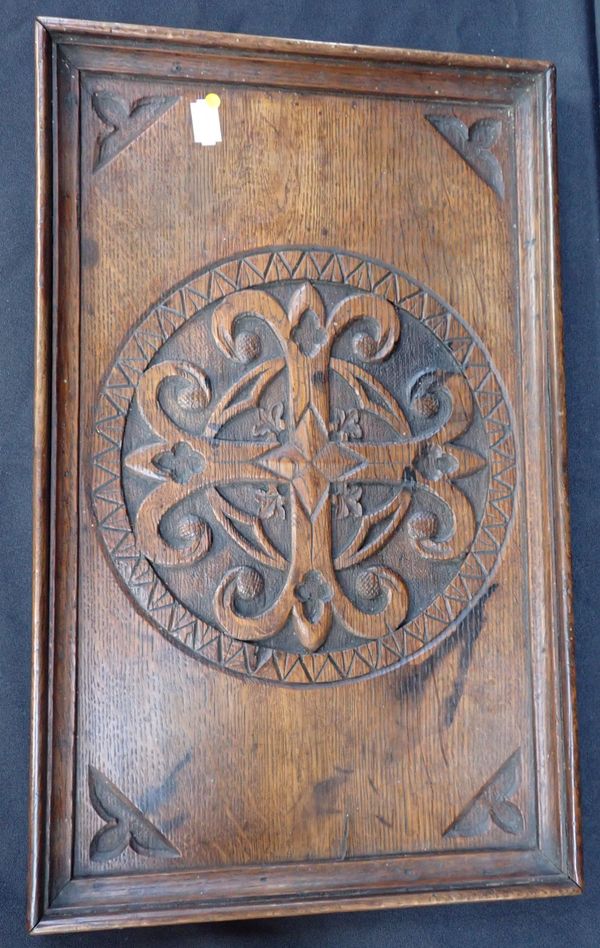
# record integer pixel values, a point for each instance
(541, 29)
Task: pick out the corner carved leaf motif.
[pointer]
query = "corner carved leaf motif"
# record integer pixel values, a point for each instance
(125, 824)
(124, 121)
(347, 501)
(474, 143)
(346, 425)
(270, 421)
(492, 804)
(270, 503)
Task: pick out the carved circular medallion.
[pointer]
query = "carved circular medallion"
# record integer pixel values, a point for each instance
(304, 466)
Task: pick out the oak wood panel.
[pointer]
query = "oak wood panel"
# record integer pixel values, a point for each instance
(453, 758)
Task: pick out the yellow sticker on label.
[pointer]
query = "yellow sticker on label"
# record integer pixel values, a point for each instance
(212, 100)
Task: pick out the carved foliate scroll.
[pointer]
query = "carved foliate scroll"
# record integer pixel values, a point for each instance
(305, 465)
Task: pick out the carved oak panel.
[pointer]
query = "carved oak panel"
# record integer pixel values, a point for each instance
(301, 580)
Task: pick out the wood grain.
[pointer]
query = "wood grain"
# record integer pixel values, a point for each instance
(301, 613)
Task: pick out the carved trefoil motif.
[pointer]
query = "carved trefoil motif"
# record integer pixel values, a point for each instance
(125, 825)
(474, 143)
(123, 120)
(310, 446)
(493, 804)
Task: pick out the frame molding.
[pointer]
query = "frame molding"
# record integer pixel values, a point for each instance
(59, 902)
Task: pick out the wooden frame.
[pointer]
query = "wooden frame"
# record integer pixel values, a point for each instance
(58, 899)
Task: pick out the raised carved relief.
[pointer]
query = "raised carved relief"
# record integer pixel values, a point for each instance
(493, 804)
(328, 491)
(474, 144)
(123, 121)
(125, 825)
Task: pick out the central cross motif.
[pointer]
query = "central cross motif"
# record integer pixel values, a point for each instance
(321, 458)
(310, 462)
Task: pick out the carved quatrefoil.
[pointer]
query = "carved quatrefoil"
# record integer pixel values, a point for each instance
(314, 466)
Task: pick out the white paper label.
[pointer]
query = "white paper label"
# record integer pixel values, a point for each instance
(205, 120)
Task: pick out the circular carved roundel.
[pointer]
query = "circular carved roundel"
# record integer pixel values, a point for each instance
(304, 466)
